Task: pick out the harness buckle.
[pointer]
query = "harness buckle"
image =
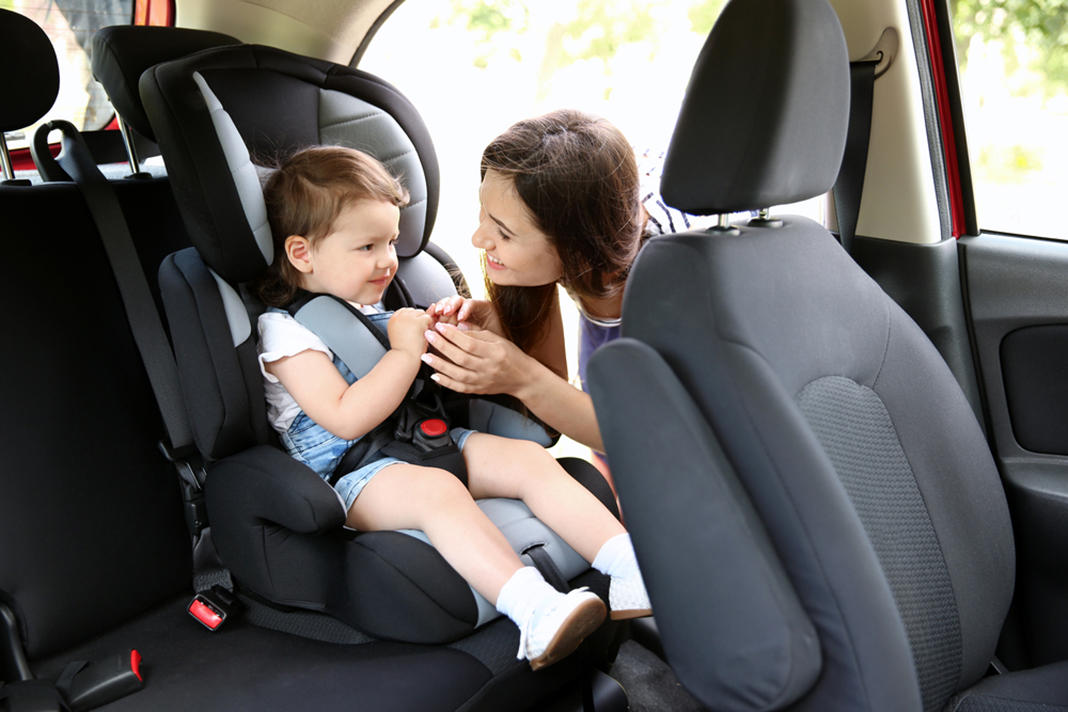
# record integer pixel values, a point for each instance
(431, 433)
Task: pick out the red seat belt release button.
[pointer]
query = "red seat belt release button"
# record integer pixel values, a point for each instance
(212, 607)
(203, 613)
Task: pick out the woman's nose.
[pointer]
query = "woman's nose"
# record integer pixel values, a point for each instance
(482, 238)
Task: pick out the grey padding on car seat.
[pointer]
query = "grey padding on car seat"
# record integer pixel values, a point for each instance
(757, 648)
(242, 172)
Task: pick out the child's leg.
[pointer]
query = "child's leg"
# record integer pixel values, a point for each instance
(403, 496)
(520, 469)
(406, 496)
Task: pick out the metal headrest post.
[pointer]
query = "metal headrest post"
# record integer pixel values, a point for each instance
(131, 151)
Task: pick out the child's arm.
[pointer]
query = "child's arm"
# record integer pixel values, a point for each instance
(352, 411)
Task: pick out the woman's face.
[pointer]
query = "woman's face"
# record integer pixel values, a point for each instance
(517, 253)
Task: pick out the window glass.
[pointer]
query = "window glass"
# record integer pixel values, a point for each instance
(71, 24)
(1013, 58)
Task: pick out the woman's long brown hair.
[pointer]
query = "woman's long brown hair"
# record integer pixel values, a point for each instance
(577, 176)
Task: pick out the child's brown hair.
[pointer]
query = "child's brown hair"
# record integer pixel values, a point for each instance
(305, 195)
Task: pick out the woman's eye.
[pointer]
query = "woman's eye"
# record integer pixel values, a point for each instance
(504, 237)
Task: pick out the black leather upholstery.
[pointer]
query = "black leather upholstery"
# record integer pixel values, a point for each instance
(850, 437)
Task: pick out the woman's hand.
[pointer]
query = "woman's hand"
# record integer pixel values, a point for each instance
(476, 361)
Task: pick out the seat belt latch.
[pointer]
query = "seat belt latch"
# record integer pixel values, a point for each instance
(214, 606)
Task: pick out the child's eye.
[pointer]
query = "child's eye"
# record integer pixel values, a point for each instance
(365, 248)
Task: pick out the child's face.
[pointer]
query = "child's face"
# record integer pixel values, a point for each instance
(357, 260)
(517, 253)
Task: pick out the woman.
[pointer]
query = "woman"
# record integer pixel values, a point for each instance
(562, 203)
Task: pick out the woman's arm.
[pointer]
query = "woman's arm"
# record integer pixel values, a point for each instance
(484, 362)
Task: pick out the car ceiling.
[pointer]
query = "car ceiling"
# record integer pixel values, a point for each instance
(327, 29)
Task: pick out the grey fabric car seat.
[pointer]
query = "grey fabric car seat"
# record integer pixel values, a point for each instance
(828, 530)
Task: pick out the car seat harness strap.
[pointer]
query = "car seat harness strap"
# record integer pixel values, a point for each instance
(418, 430)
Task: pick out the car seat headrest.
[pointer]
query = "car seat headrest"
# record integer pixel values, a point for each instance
(121, 53)
(219, 114)
(30, 90)
(765, 115)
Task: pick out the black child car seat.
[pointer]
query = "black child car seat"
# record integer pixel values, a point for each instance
(275, 524)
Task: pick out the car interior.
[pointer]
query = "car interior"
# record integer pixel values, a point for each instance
(839, 447)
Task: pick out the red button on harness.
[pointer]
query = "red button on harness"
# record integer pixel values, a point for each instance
(433, 427)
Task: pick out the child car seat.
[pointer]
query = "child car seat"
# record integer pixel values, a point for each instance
(276, 524)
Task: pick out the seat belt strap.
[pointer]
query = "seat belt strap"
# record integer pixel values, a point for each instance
(849, 186)
(141, 311)
(147, 327)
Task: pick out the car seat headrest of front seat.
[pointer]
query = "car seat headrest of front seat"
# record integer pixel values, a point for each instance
(765, 115)
(215, 177)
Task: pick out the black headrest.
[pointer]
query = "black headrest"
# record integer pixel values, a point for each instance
(765, 115)
(121, 53)
(211, 110)
(30, 90)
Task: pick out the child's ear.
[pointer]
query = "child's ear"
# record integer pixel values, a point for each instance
(298, 250)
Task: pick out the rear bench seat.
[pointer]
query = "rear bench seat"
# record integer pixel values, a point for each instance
(94, 553)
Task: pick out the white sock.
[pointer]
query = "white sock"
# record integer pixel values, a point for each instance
(616, 557)
(523, 593)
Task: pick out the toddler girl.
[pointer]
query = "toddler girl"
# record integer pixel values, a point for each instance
(334, 214)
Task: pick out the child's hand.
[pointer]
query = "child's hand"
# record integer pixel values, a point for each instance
(462, 313)
(406, 328)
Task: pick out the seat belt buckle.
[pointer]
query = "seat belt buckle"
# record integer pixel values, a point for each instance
(97, 683)
(214, 606)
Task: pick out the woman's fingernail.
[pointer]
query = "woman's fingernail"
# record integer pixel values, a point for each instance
(462, 326)
(435, 377)
(427, 359)
(440, 326)
(430, 336)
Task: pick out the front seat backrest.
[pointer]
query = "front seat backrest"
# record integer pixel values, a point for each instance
(847, 433)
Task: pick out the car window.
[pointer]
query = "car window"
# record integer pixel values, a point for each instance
(70, 24)
(484, 64)
(1013, 57)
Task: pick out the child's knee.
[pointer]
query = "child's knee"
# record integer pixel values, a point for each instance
(442, 484)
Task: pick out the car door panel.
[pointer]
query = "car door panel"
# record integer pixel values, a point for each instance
(1017, 297)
